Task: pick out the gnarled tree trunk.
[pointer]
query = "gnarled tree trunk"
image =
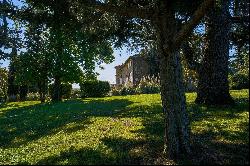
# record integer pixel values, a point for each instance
(172, 87)
(213, 86)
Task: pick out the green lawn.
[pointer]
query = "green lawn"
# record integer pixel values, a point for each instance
(119, 130)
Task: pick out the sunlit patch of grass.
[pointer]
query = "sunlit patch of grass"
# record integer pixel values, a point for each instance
(115, 130)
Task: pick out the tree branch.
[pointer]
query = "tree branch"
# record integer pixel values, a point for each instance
(189, 54)
(188, 28)
(143, 13)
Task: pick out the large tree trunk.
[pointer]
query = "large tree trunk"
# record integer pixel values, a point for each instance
(213, 86)
(13, 89)
(57, 95)
(174, 106)
(172, 88)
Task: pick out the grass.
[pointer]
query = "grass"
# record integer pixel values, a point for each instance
(119, 130)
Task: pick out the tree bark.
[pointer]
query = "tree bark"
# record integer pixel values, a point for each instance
(13, 89)
(213, 86)
(57, 95)
(23, 92)
(172, 88)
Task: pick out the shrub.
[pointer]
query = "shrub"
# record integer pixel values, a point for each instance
(115, 91)
(239, 81)
(123, 90)
(94, 88)
(33, 96)
(147, 85)
(128, 90)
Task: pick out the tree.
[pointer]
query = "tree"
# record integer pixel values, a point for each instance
(10, 39)
(239, 63)
(8, 33)
(220, 29)
(213, 85)
(239, 69)
(34, 64)
(162, 16)
(64, 49)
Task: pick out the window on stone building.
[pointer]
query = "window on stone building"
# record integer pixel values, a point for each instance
(131, 78)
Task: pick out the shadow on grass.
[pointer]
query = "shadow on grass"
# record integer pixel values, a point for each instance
(21, 125)
(85, 156)
(47, 119)
(222, 135)
(122, 152)
(207, 150)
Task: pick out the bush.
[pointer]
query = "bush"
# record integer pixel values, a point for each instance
(33, 96)
(13, 98)
(128, 90)
(148, 85)
(239, 81)
(94, 88)
(115, 92)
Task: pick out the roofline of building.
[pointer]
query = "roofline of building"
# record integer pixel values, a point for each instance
(131, 57)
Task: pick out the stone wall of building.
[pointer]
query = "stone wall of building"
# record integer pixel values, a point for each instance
(118, 75)
(141, 69)
(132, 71)
(124, 73)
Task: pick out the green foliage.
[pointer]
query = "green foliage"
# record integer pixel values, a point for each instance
(152, 58)
(65, 89)
(239, 69)
(33, 96)
(57, 45)
(124, 90)
(94, 88)
(190, 77)
(239, 81)
(119, 130)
